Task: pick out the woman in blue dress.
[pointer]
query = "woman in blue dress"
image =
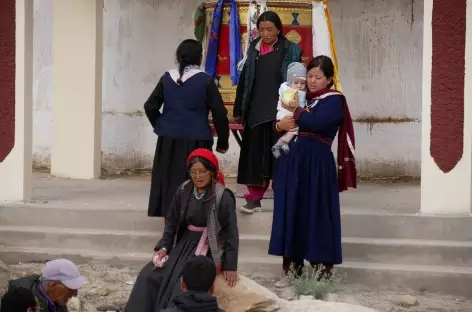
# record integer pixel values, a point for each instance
(307, 222)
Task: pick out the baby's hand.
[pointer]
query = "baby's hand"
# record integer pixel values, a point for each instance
(293, 104)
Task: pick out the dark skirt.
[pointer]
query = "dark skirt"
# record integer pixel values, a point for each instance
(306, 221)
(169, 171)
(156, 287)
(256, 161)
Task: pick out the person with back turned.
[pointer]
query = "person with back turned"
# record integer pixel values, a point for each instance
(197, 281)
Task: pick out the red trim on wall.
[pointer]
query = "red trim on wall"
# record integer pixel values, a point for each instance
(447, 82)
(7, 77)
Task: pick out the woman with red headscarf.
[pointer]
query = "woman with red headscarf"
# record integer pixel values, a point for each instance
(201, 222)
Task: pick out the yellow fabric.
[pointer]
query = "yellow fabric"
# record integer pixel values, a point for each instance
(289, 95)
(337, 82)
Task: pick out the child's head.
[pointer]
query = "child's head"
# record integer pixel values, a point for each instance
(19, 299)
(199, 275)
(296, 76)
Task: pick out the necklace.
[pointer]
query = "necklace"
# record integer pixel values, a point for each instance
(198, 196)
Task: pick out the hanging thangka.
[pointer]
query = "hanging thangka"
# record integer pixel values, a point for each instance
(252, 31)
(234, 41)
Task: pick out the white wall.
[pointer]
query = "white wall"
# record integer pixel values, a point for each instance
(379, 49)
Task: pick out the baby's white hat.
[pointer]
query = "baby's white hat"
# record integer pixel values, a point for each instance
(295, 70)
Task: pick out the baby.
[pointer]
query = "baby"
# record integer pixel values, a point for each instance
(294, 90)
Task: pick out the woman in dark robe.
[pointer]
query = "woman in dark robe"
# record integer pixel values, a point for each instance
(255, 106)
(201, 221)
(307, 222)
(188, 95)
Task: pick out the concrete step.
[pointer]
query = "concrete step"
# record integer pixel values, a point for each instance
(394, 251)
(108, 219)
(407, 251)
(354, 224)
(449, 280)
(104, 240)
(407, 226)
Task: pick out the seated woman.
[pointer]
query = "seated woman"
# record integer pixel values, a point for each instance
(201, 221)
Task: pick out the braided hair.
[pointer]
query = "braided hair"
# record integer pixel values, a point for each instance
(189, 52)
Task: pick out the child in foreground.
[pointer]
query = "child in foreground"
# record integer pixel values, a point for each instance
(291, 93)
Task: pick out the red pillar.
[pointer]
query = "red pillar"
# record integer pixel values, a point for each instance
(7, 77)
(447, 82)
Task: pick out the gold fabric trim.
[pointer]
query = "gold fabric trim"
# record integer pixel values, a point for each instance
(294, 36)
(225, 82)
(229, 97)
(304, 14)
(304, 18)
(242, 11)
(336, 80)
(227, 90)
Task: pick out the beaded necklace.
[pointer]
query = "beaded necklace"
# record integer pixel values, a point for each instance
(198, 196)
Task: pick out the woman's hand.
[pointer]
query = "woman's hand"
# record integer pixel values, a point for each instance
(286, 124)
(158, 255)
(231, 277)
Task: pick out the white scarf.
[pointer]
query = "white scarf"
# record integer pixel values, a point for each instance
(252, 31)
(189, 72)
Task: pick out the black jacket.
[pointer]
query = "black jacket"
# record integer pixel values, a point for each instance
(32, 282)
(194, 302)
(292, 53)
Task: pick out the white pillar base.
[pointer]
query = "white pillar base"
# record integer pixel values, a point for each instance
(451, 192)
(16, 168)
(77, 88)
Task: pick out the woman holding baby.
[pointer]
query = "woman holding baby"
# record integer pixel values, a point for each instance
(307, 222)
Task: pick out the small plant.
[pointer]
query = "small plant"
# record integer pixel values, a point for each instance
(314, 282)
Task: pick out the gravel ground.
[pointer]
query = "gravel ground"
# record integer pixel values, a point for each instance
(111, 286)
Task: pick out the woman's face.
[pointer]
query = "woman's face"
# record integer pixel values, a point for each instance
(268, 32)
(201, 176)
(316, 80)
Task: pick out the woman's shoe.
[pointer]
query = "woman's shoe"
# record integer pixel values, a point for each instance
(283, 282)
(251, 207)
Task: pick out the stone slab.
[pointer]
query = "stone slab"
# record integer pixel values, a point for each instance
(448, 280)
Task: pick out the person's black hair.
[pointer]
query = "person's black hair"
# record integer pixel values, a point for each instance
(189, 52)
(325, 64)
(208, 165)
(271, 16)
(199, 274)
(18, 299)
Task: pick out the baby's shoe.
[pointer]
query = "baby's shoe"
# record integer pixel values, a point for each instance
(285, 149)
(276, 151)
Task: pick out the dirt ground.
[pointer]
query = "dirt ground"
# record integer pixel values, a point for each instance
(110, 286)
